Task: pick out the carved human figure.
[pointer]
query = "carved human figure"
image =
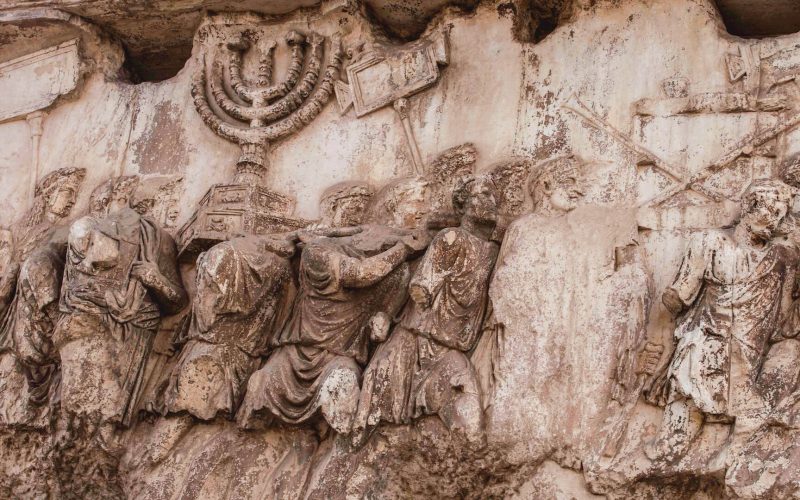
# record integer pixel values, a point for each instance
(318, 356)
(555, 187)
(728, 295)
(120, 277)
(444, 172)
(423, 368)
(510, 177)
(779, 379)
(158, 199)
(54, 198)
(243, 292)
(8, 270)
(28, 319)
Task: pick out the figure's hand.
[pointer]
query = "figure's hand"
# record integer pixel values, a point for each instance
(379, 325)
(147, 272)
(672, 301)
(417, 241)
(305, 236)
(282, 244)
(649, 358)
(420, 295)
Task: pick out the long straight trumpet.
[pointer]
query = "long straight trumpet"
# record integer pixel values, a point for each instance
(645, 155)
(743, 147)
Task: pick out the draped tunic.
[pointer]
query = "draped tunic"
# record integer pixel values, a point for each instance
(109, 318)
(424, 361)
(327, 328)
(735, 299)
(244, 294)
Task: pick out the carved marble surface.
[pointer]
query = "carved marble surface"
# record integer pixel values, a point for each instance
(555, 269)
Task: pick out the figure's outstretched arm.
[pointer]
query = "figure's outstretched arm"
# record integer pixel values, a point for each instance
(689, 280)
(161, 276)
(359, 273)
(170, 295)
(362, 273)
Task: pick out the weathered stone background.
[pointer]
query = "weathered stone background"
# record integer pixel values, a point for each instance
(503, 91)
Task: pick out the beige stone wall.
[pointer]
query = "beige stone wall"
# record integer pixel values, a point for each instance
(577, 296)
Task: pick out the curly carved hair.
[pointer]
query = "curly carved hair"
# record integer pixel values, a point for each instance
(346, 189)
(116, 188)
(774, 188)
(462, 187)
(790, 171)
(48, 185)
(451, 161)
(386, 200)
(552, 171)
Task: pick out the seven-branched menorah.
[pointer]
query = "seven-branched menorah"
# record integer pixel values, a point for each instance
(266, 111)
(252, 114)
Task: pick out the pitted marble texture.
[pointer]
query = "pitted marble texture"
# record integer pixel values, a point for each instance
(390, 249)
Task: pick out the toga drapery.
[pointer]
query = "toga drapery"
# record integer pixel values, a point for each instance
(109, 318)
(426, 351)
(735, 299)
(326, 332)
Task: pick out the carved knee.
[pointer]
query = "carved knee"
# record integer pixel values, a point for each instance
(339, 399)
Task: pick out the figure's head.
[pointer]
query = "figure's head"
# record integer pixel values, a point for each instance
(764, 205)
(403, 203)
(509, 177)
(345, 204)
(56, 193)
(454, 161)
(113, 195)
(449, 166)
(158, 198)
(556, 186)
(169, 209)
(475, 199)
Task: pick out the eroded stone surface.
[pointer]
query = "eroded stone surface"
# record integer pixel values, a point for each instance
(396, 250)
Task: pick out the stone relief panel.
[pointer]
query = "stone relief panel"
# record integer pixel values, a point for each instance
(34, 252)
(604, 304)
(46, 75)
(277, 108)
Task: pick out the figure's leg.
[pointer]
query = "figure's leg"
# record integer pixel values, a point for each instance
(452, 391)
(166, 434)
(386, 385)
(199, 383)
(338, 395)
(680, 425)
(779, 375)
(275, 392)
(254, 411)
(464, 415)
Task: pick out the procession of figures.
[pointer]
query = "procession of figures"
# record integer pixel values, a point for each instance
(370, 315)
(380, 312)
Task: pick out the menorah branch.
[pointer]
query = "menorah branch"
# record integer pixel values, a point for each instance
(297, 42)
(235, 74)
(216, 85)
(265, 66)
(292, 100)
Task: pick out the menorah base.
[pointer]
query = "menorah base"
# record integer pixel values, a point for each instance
(229, 210)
